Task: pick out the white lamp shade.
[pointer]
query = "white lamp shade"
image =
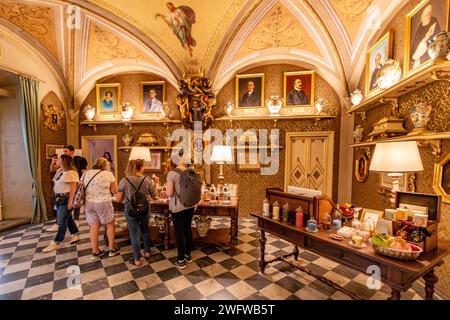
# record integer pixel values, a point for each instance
(140, 153)
(401, 156)
(221, 154)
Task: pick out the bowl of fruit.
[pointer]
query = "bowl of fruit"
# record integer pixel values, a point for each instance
(395, 247)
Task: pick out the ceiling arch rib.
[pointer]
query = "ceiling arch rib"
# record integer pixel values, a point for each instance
(238, 55)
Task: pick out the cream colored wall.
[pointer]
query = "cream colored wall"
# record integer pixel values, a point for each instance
(15, 177)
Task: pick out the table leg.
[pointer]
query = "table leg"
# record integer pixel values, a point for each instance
(262, 242)
(430, 280)
(395, 294)
(295, 253)
(166, 230)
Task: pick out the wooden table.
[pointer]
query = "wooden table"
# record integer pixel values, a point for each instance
(224, 236)
(398, 274)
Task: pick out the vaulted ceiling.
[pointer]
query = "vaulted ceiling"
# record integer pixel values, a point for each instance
(87, 40)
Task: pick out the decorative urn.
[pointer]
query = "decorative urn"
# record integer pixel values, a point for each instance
(274, 104)
(127, 139)
(89, 112)
(389, 74)
(438, 46)
(127, 111)
(203, 223)
(420, 115)
(358, 133)
(147, 139)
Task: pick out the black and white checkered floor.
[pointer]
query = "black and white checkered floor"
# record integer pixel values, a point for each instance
(28, 273)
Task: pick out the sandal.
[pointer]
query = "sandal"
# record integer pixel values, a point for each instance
(133, 262)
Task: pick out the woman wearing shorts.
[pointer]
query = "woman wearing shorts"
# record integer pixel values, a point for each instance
(98, 208)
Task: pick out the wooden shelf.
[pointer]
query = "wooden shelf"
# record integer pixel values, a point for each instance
(120, 121)
(437, 70)
(150, 147)
(276, 117)
(170, 148)
(422, 137)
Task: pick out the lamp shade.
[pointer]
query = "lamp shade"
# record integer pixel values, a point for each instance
(221, 154)
(140, 153)
(401, 156)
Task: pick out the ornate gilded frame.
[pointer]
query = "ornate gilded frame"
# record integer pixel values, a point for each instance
(54, 117)
(299, 73)
(247, 76)
(389, 36)
(358, 176)
(406, 70)
(119, 97)
(141, 101)
(442, 176)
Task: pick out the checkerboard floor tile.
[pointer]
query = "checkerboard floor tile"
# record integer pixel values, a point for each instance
(216, 273)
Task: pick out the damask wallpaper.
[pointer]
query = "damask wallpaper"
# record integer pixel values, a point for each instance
(438, 94)
(49, 136)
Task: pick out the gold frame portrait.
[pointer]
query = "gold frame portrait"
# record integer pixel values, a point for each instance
(406, 61)
(246, 76)
(163, 98)
(438, 177)
(299, 73)
(389, 36)
(119, 97)
(358, 176)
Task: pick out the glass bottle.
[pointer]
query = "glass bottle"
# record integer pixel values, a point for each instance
(286, 213)
(266, 208)
(312, 224)
(357, 239)
(337, 220)
(276, 211)
(299, 217)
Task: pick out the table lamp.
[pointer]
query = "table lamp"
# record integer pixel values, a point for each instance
(396, 158)
(140, 153)
(220, 155)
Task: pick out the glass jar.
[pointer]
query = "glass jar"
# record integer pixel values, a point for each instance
(276, 211)
(285, 213)
(357, 239)
(337, 220)
(266, 208)
(312, 225)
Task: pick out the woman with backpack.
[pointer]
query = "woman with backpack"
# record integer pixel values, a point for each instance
(99, 184)
(65, 184)
(181, 214)
(135, 191)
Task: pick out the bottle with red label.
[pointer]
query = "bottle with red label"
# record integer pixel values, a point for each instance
(299, 217)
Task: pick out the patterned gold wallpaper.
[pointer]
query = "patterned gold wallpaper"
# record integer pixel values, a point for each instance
(438, 94)
(49, 136)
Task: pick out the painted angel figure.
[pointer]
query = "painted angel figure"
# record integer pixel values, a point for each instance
(181, 19)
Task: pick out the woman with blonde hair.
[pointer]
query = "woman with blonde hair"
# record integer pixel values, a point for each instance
(134, 182)
(99, 210)
(65, 184)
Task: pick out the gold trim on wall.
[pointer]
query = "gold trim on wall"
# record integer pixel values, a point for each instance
(245, 76)
(439, 175)
(87, 152)
(299, 73)
(406, 70)
(119, 97)
(388, 35)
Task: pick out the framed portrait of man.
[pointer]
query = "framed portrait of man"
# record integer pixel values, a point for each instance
(250, 90)
(361, 168)
(298, 88)
(153, 95)
(424, 22)
(378, 54)
(108, 98)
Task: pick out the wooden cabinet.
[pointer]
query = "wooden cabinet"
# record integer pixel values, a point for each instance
(309, 160)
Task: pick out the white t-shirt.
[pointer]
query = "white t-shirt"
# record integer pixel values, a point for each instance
(99, 189)
(62, 180)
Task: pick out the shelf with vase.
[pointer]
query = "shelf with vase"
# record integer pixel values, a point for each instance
(430, 72)
(128, 123)
(277, 117)
(430, 139)
(128, 149)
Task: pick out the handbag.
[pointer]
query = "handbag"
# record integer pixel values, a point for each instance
(80, 194)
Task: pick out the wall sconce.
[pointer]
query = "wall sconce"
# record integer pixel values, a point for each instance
(389, 74)
(229, 108)
(89, 112)
(319, 105)
(274, 105)
(356, 97)
(127, 111)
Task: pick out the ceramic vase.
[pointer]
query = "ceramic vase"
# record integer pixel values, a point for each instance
(420, 115)
(438, 46)
(127, 139)
(358, 133)
(203, 223)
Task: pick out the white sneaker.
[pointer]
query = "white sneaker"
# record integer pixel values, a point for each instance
(75, 238)
(52, 246)
(53, 228)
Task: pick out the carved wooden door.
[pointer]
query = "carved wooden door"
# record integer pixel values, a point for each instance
(309, 160)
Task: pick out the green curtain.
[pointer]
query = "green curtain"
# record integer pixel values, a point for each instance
(29, 120)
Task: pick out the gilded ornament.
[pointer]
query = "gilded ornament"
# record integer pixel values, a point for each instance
(54, 117)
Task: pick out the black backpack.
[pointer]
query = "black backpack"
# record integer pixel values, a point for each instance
(138, 201)
(191, 188)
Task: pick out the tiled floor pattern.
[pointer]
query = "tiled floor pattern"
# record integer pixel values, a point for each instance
(28, 273)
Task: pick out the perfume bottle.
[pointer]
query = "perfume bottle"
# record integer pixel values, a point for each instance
(285, 213)
(266, 208)
(299, 217)
(312, 224)
(276, 211)
(337, 221)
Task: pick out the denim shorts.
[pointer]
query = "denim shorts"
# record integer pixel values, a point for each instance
(99, 212)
